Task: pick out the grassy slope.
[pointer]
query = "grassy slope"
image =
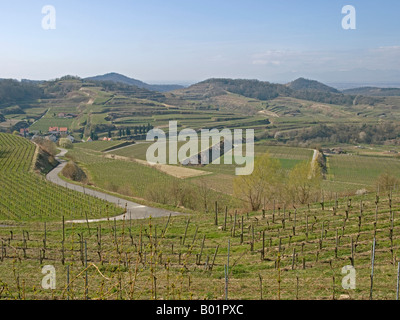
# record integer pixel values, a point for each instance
(136, 180)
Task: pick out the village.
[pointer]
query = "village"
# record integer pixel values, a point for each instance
(54, 134)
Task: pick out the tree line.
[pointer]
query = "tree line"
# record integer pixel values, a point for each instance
(13, 91)
(341, 133)
(136, 130)
(270, 182)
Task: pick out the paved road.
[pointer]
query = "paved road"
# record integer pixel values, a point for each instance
(135, 211)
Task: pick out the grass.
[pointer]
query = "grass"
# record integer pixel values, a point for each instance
(137, 151)
(98, 145)
(224, 174)
(141, 181)
(134, 252)
(349, 172)
(51, 120)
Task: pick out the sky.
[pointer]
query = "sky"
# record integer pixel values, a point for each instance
(186, 41)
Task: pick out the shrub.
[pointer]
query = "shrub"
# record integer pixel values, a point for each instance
(361, 192)
(386, 181)
(73, 172)
(46, 145)
(65, 143)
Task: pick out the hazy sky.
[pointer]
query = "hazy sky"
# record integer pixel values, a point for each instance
(184, 40)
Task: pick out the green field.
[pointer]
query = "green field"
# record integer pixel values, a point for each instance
(98, 145)
(224, 174)
(346, 173)
(50, 119)
(137, 151)
(353, 172)
(136, 180)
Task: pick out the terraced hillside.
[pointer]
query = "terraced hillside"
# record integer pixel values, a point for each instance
(25, 196)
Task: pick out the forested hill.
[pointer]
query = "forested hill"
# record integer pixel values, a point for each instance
(119, 78)
(249, 88)
(261, 90)
(13, 91)
(310, 85)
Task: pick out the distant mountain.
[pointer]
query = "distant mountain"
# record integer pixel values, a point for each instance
(310, 85)
(249, 88)
(363, 77)
(373, 91)
(119, 78)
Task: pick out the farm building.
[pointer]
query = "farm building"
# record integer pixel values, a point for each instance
(52, 138)
(57, 130)
(23, 132)
(53, 130)
(334, 151)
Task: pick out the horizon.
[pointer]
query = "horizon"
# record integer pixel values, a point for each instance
(341, 85)
(181, 42)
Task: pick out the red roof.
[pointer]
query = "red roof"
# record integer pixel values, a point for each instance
(53, 128)
(63, 129)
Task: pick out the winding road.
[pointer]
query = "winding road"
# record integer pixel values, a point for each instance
(135, 211)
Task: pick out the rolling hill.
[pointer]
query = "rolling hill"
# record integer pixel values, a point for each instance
(311, 85)
(12, 91)
(374, 91)
(119, 78)
(264, 91)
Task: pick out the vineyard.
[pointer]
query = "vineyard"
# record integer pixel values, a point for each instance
(277, 253)
(352, 172)
(99, 145)
(25, 196)
(284, 253)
